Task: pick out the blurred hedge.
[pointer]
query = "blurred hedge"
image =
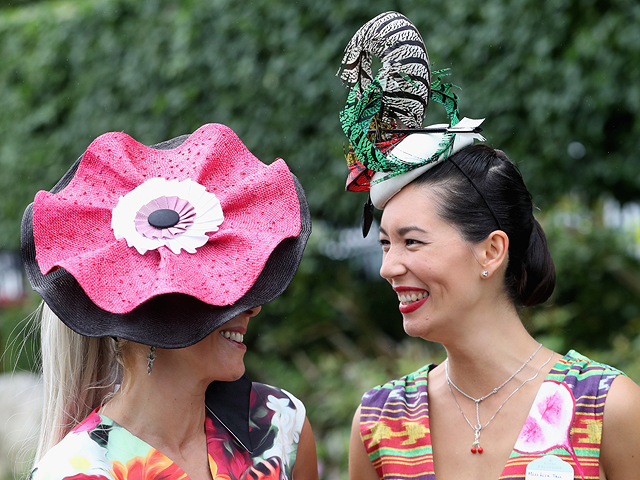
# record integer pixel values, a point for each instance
(544, 74)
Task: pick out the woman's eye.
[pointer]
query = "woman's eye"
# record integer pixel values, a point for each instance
(410, 241)
(384, 243)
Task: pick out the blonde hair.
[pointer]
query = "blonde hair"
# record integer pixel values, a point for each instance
(79, 375)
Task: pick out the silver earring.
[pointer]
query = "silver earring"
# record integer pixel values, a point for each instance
(151, 356)
(485, 273)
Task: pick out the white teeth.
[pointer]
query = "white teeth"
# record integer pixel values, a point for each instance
(414, 297)
(235, 336)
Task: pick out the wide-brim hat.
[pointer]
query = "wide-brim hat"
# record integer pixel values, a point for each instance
(163, 244)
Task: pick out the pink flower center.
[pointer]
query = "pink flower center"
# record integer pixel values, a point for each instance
(183, 208)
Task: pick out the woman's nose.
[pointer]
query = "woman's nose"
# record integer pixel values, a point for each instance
(252, 312)
(392, 265)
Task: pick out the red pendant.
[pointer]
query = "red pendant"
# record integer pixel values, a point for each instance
(476, 448)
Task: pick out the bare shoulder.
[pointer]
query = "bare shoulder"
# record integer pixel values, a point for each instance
(360, 467)
(620, 447)
(623, 403)
(306, 466)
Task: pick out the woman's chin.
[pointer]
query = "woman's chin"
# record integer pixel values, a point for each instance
(415, 328)
(231, 374)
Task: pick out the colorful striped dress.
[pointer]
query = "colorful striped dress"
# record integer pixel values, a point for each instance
(565, 420)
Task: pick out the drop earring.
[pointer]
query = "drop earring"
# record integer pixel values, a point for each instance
(151, 356)
(485, 273)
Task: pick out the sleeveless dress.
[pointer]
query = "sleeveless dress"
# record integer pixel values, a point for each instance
(260, 445)
(565, 420)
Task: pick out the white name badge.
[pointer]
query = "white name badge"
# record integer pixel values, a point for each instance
(549, 467)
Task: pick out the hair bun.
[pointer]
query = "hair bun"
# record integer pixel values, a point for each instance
(538, 272)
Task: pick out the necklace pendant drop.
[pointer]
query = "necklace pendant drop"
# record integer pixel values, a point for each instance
(476, 448)
(477, 429)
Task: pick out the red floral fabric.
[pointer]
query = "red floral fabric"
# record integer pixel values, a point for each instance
(100, 449)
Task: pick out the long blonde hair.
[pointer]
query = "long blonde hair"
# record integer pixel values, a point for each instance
(78, 373)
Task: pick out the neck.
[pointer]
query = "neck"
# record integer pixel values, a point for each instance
(150, 406)
(491, 349)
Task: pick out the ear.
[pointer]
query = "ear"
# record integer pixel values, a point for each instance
(494, 251)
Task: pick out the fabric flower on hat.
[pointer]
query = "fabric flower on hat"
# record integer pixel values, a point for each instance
(184, 212)
(135, 222)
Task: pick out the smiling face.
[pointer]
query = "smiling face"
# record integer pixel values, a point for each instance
(434, 271)
(219, 356)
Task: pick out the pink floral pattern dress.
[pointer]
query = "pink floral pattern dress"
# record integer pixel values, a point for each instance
(260, 445)
(565, 420)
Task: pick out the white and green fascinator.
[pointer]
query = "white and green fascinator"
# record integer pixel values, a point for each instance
(383, 115)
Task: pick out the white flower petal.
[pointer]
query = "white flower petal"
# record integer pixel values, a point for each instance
(76, 454)
(208, 215)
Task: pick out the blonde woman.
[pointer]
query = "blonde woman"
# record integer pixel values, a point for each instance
(151, 262)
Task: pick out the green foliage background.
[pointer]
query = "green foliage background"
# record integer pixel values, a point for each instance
(544, 74)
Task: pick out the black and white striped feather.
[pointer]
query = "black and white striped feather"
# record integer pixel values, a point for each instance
(405, 72)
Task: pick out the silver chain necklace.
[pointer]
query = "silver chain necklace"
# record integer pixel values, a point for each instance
(477, 429)
(495, 390)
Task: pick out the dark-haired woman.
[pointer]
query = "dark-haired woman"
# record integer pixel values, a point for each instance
(464, 253)
(500, 400)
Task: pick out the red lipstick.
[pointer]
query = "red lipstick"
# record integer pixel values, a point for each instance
(413, 306)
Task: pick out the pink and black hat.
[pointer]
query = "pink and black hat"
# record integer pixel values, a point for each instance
(163, 244)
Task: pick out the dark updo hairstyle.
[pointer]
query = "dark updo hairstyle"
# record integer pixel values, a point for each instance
(530, 277)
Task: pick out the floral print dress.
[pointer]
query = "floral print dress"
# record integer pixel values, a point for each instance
(258, 446)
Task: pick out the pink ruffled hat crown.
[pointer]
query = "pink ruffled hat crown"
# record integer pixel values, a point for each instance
(136, 241)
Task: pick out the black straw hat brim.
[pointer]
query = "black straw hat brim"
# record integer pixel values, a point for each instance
(172, 320)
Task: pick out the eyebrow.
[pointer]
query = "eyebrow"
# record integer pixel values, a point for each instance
(404, 230)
